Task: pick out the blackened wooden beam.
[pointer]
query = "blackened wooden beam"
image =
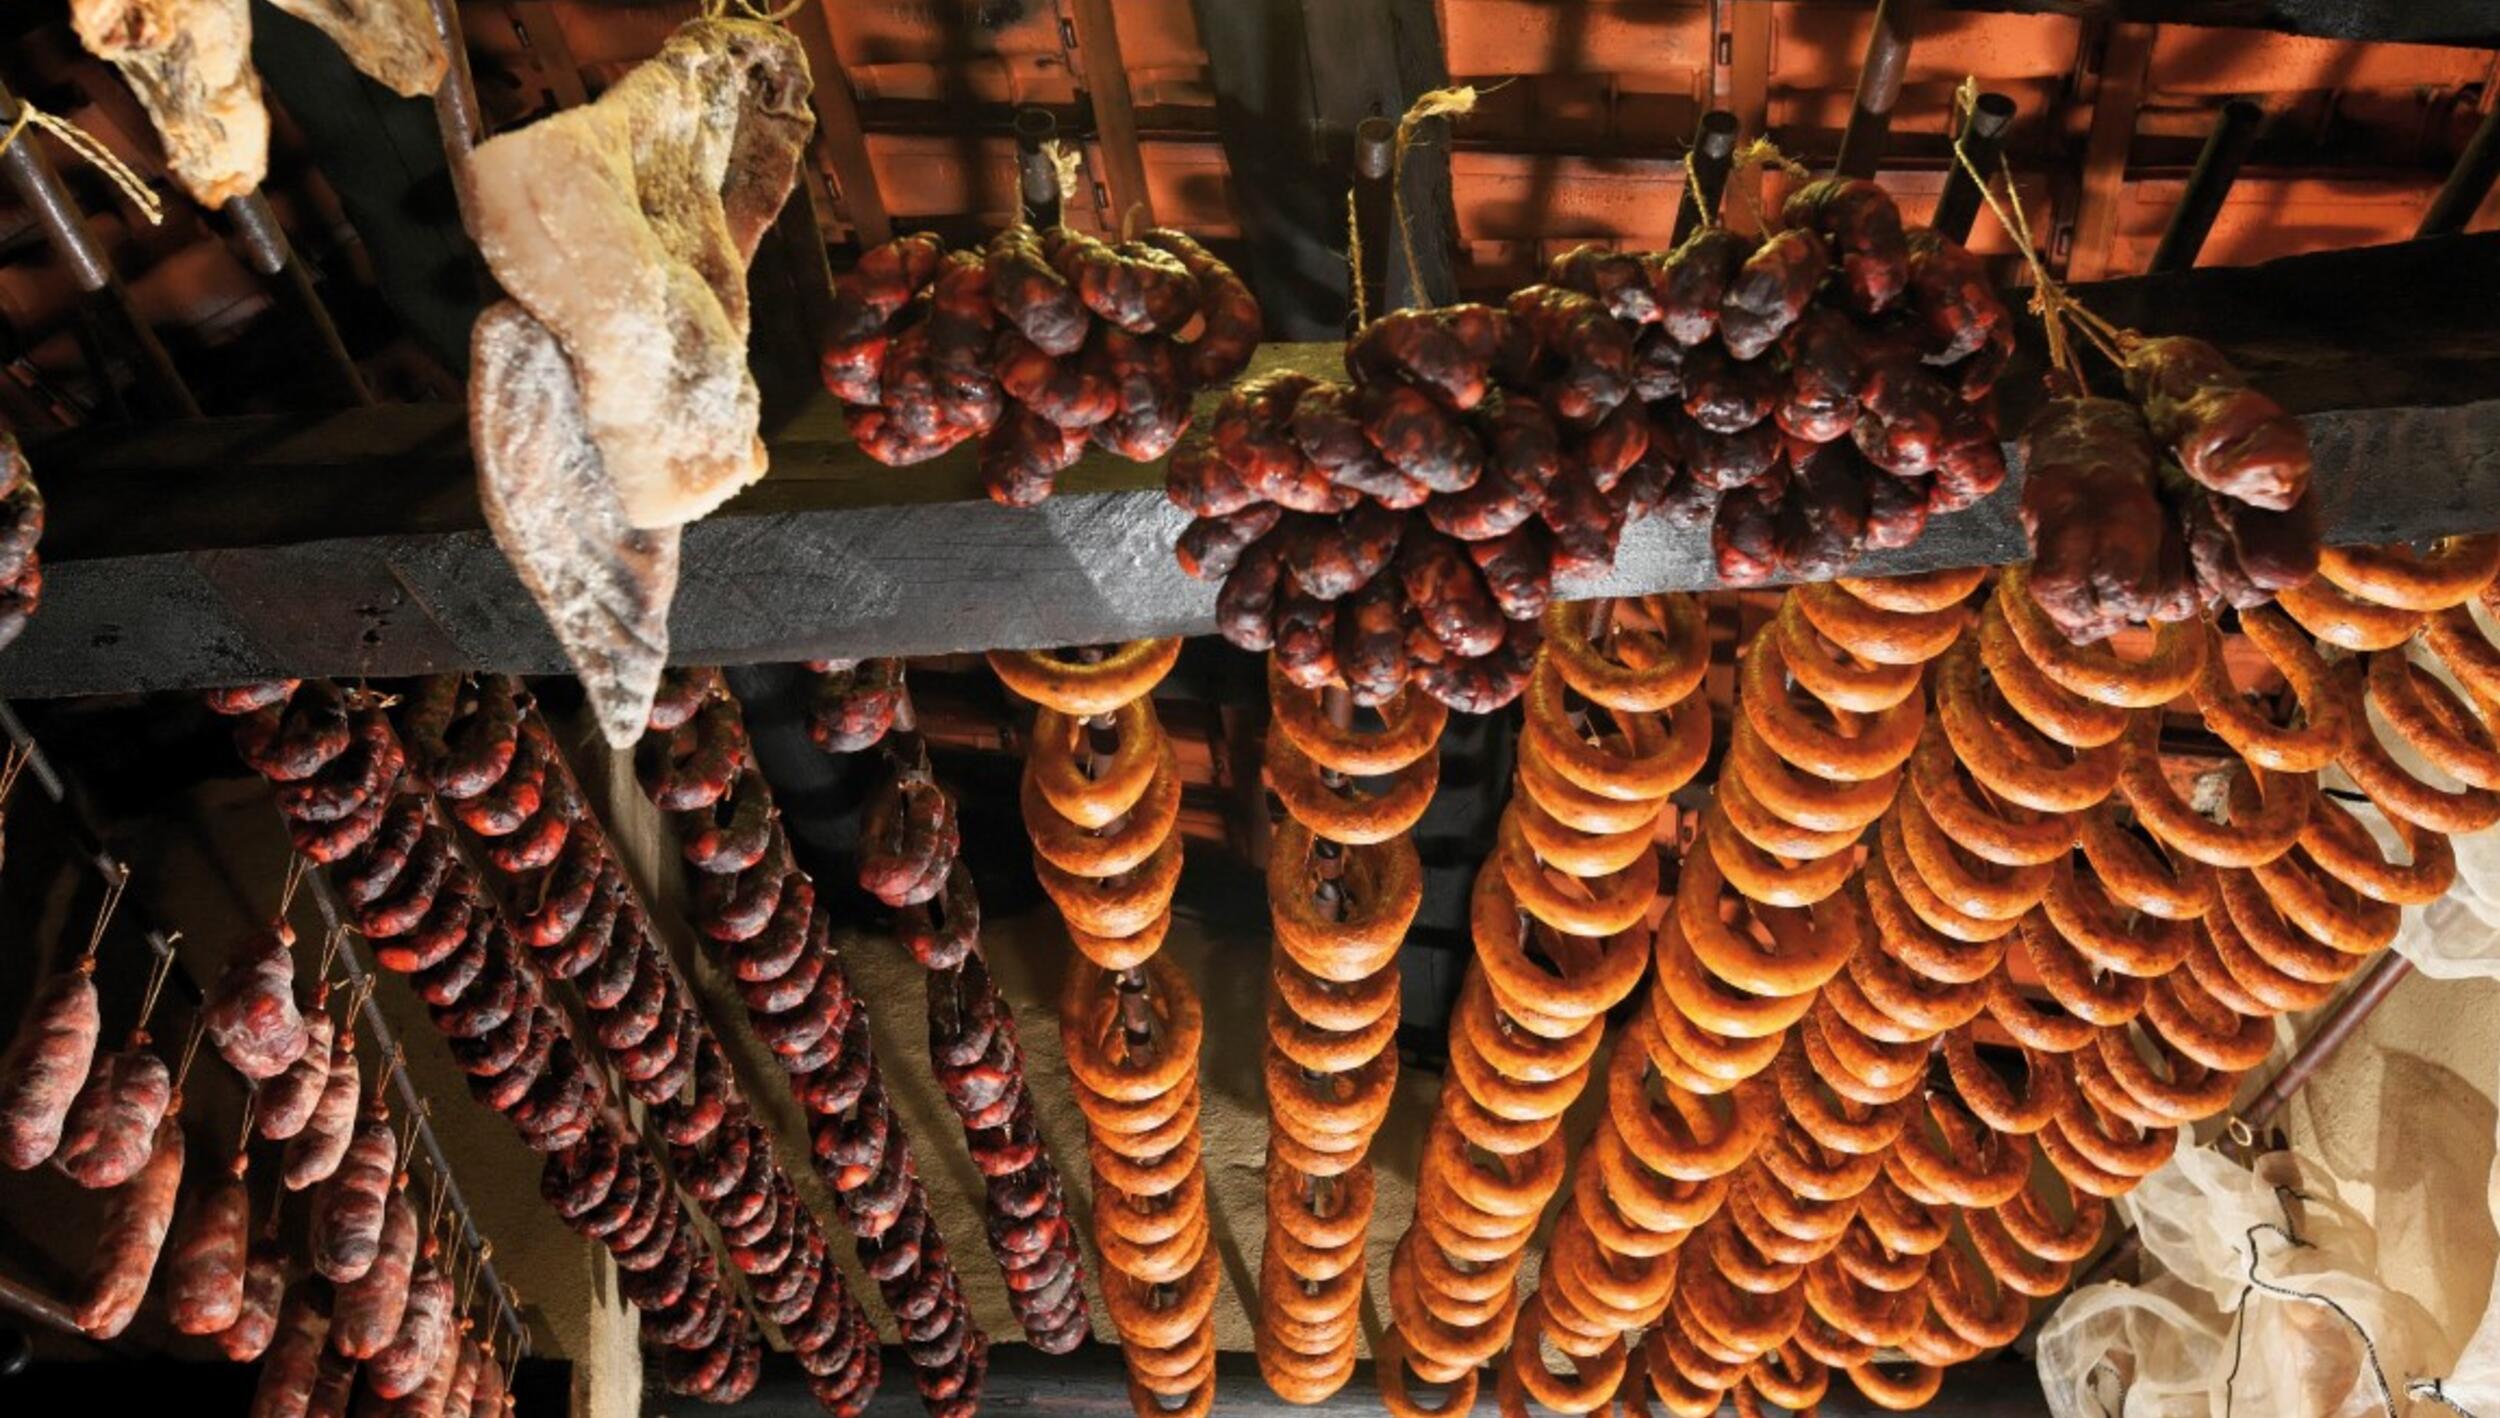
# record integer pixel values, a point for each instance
(1093, 1382)
(2472, 23)
(351, 544)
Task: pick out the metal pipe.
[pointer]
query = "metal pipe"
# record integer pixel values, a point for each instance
(1115, 113)
(1983, 142)
(266, 246)
(1714, 152)
(1375, 202)
(91, 846)
(2217, 167)
(1879, 88)
(456, 109)
(2332, 1034)
(30, 1303)
(30, 174)
(2468, 182)
(1037, 177)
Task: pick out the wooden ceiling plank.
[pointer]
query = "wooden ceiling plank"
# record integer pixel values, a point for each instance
(1115, 113)
(841, 141)
(2126, 56)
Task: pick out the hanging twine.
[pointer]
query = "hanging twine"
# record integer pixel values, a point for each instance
(190, 1051)
(78, 141)
(1451, 103)
(117, 879)
(1069, 163)
(2049, 299)
(1354, 262)
(157, 972)
(719, 9)
(20, 754)
(295, 866)
(1759, 156)
(242, 1160)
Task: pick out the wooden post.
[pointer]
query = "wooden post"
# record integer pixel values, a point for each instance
(2468, 182)
(839, 134)
(1115, 114)
(2125, 58)
(1714, 152)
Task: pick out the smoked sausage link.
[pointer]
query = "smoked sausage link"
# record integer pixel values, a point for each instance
(205, 1275)
(346, 1227)
(294, 1360)
(46, 1066)
(133, 1232)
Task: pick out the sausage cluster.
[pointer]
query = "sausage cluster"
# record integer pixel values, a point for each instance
(359, 805)
(2191, 494)
(1039, 345)
(854, 703)
(1101, 799)
(907, 859)
(762, 918)
(589, 928)
(21, 528)
(1343, 885)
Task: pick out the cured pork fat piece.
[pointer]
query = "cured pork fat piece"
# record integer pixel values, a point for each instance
(190, 62)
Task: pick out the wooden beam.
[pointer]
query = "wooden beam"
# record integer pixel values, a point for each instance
(2126, 55)
(2474, 24)
(1744, 62)
(841, 142)
(351, 544)
(1115, 113)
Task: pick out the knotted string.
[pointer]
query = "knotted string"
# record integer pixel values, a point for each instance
(1450, 103)
(78, 141)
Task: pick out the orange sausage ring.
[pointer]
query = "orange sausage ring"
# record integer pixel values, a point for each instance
(2097, 671)
(1756, 1324)
(1139, 1324)
(1982, 889)
(1919, 591)
(2048, 1033)
(2192, 1021)
(2159, 882)
(1990, 1099)
(1110, 850)
(1499, 931)
(2008, 834)
(2008, 756)
(1882, 1318)
(1663, 1206)
(1593, 1380)
(1812, 804)
(1720, 1060)
(1900, 1221)
(2345, 850)
(1411, 726)
(2111, 1000)
(1116, 906)
(1354, 815)
(1913, 1389)
(1573, 852)
(1684, 1141)
(2327, 725)
(2263, 836)
(1129, 672)
(1661, 758)
(2026, 1218)
(2015, 1268)
(1578, 808)
(1876, 633)
(2325, 909)
(1875, 1063)
(1381, 887)
(2338, 617)
(1845, 1080)
(1089, 1019)
(1885, 999)
(1910, 885)
(1837, 677)
(2080, 912)
(2258, 926)
(1768, 877)
(2119, 1079)
(1807, 947)
(1311, 1114)
(1810, 1170)
(1391, 1373)
(1771, 832)
(2458, 640)
(1517, 1053)
(1955, 1291)
(2428, 715)
(1974, 1168)
(1911, 939)
(2395, 575)
(2107, 1139)
(1603, 906)
(2232, 973)
(1666, 664)
(1712, 1003)
(2398, 793)
(1871, 1264)
(1057, 763)
(1881, 744)
(2057, 712)
(1835, 1126)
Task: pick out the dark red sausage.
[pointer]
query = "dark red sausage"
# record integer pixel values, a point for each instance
(294, 1358)
(47, 1064)
(288, 1100)
(344, 1233)
(250, 1012)
(132, 1234)
(207, 1271)
(425, 1327)
(314, 1152)
(256, 1323)
(112, 1123)
(365, 1318)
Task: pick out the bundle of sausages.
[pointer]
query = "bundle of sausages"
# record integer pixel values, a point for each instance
(854, 703)
(1039, 345)
(360, 811)
(589, 928)
(907, 859)
(2190, 494)
(1101, 802)
(21, 527)
(765, 923)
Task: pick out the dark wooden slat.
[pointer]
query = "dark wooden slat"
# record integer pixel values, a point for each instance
(2472, 23)
(1093, 1383)
(352, 544)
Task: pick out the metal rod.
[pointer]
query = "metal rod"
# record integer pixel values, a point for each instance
(1375, 210)
(2332, 1034)
(1037, 177)
(2468, 182)
(1115, 113)
(33, 1304)
(265, 244)
(91, 846)
(385, 1043)
(37, 185)
(1714, 151)
(456, 109)
(2217, 167)
(1879, 88)
(1983, 142)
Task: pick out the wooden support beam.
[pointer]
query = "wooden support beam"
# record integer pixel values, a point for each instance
(1743, 64)
(351, 544)
(2126, 55)
(2474, 24)
(840, 140)
(1115, 113)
